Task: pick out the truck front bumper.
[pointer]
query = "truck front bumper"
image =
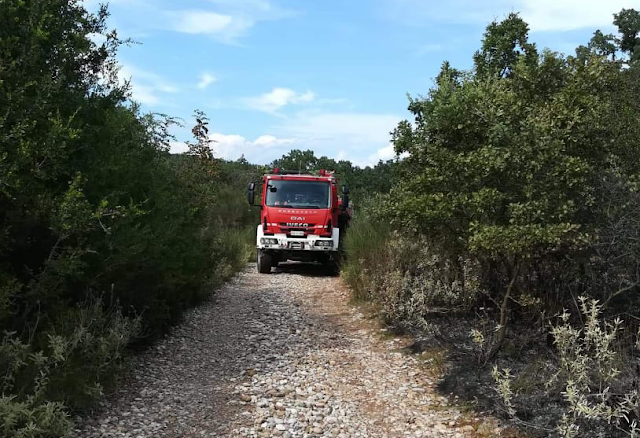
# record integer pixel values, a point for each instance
(283, 242)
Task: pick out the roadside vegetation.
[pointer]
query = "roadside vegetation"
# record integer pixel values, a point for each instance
(363, 182)
(510, 234)
(105, 238)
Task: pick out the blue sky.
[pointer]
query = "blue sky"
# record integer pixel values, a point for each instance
(327, 75)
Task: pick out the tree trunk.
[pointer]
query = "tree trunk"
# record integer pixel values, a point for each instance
(504, 311)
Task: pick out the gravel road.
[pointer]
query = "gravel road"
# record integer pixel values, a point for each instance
(284, 354)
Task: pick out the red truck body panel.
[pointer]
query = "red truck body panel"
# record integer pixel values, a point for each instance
(283, 219)
(301, 219)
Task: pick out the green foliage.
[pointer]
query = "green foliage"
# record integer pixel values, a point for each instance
(304, 161)
(628, 22)
(518, 193)
(365, 246)
(405, 275)
(590, 376)
(488, 169)
(68, 366)
(105, 238)
(362, 182)
(505, 45)
(26, 420)
(508, 164)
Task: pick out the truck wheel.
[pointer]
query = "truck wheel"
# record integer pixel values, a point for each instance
(333, 269)
(334, 265)
(264, 262)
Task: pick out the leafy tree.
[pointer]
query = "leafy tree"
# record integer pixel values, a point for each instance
(505, 163)
(603, 45)
(304, 161)
(104, 237)
(505, 44)
(363, 182)
(628, 22)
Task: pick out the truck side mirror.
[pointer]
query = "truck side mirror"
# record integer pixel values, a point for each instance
(345, 197)
(251, 193)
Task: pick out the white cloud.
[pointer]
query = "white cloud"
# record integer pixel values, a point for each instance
(359, 137)
(268, 141)
(563, 15)
(224, 27)
(206, 79)
(178, 147)
(255, 10)
(357, 128)
(420, 12)
(263, 149)
(230, 20)
(252, 5)
(97, 38)
(362, 138)
(279, 98)
(225, 20)
(542, 15)
(384, 154)
(146, 87)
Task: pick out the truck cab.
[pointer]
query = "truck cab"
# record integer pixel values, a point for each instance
(302, 218)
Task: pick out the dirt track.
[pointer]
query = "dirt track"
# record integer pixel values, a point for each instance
(280, 355)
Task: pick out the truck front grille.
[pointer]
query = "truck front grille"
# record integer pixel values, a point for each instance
(284, 225)
(307, 229)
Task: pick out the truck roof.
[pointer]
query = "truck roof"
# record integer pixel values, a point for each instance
(328, 178)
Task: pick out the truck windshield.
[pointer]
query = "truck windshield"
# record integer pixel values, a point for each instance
(298, 194)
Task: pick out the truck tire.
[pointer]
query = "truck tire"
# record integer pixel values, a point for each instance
(330, 265)
(264, 262)
(333, 269)
(335, 265)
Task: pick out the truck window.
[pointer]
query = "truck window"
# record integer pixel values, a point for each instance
(298, 194)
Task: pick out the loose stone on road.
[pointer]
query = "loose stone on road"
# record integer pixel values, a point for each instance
(279, 355)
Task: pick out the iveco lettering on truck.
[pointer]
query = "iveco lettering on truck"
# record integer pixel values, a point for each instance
(302, 218)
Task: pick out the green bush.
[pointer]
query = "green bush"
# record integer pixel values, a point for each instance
(519, 190)
(234, 250)
(510, 164)
(105, 238)
(365, 247)
(593, 375)
(82, 352)
(407, 276)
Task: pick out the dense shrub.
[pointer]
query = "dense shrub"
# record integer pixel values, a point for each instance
(406, 275)
(366, 247)
(593, 375)
(105, 238)
(518, 193)
(515, 163)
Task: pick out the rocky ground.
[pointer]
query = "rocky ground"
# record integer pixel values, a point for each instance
(286, 355)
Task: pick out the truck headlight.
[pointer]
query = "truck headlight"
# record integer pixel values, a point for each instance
(268, 241)
(324, 243)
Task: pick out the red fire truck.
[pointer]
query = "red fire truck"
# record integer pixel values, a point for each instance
(302, 218)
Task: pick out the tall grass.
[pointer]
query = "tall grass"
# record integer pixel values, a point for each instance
(235, 248)
(365, 246)
(407, 276)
